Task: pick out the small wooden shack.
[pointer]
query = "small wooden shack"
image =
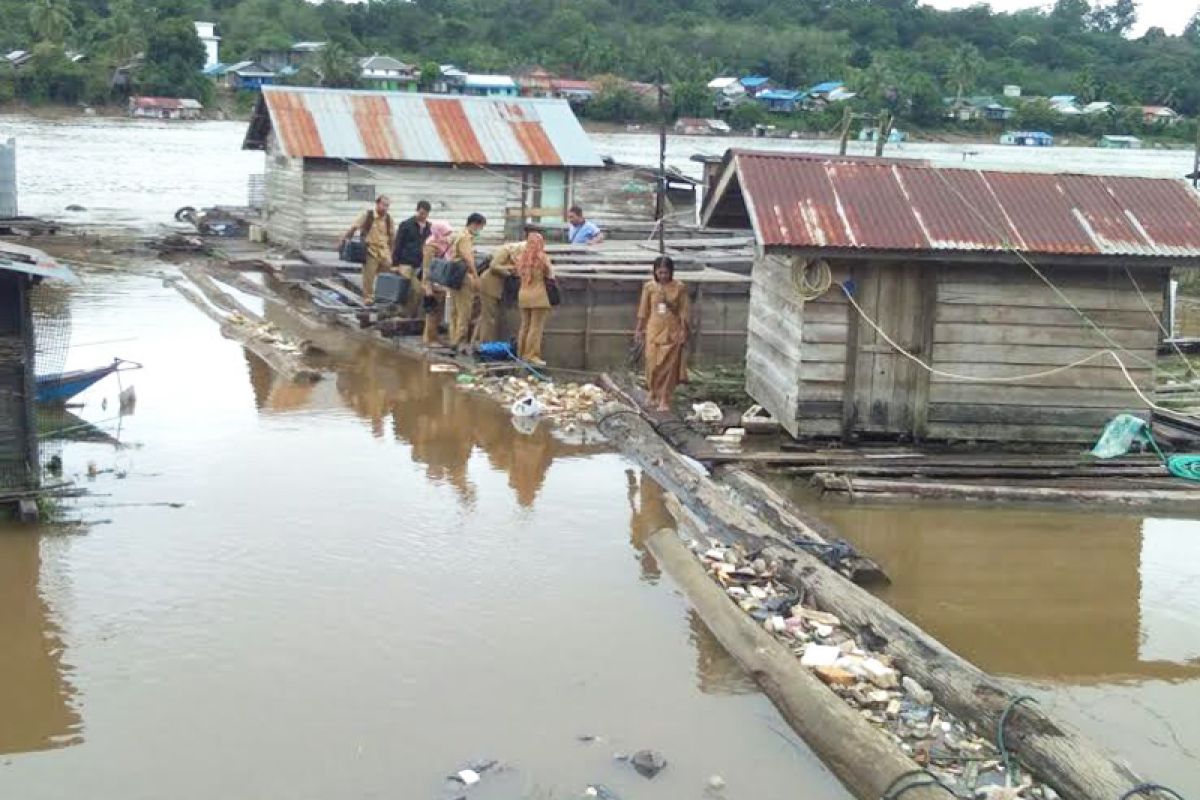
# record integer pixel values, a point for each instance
(986, 301)
(20, 268)
(330, 153)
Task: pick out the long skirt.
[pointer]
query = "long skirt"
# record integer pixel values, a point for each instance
(666, 367)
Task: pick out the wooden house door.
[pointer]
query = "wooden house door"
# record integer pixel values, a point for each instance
(887, 393)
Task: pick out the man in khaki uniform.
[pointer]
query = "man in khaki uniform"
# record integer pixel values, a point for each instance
(491, 290)
(462, 299)
(378, 235)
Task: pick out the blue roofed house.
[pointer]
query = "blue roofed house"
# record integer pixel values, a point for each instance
(490, 86)
(756, 84)
(781, 101)
(827, 92)
(248, 75)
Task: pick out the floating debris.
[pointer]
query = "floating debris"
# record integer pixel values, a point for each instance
(571, 405)
(648, 763)
(871, 683)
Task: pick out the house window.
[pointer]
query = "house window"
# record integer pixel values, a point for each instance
(360, 192)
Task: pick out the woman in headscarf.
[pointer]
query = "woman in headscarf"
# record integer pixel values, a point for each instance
(534, 269)
(663, 330)
(436, 246)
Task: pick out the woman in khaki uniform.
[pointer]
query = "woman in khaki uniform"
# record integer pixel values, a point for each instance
(663, 330)
(436, 246)
(535, 269)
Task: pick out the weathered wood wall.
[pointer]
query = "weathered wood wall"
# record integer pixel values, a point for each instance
(823, 371)
(18, 424)
(1004, 321)
(283, 210)
(622, 194)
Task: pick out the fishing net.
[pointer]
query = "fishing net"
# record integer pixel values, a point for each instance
(51, 307)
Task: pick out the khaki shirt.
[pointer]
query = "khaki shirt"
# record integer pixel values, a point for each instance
(504, 263)
(462, 248)
(379, 239)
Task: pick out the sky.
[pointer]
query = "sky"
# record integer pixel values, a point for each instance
(1170, 15)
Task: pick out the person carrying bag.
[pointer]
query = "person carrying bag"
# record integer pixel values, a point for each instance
(537, 277)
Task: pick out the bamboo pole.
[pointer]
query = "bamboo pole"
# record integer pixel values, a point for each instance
(865, 759)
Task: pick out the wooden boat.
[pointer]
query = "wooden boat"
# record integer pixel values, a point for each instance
(62, 386)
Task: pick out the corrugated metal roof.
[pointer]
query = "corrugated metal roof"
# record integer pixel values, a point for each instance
(434, 129)
(806, 201)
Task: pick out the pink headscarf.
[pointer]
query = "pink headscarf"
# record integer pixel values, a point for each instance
(533, 255)
(439, 237)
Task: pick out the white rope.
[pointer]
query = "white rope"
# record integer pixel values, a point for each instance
(1158, 321)
(810, 288)
(1008, 379)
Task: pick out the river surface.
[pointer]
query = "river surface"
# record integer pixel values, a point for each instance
(377, 579)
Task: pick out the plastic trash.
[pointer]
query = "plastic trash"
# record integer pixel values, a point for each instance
(526, 406)
(708, 412)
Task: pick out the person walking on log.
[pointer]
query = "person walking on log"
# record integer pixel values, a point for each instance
(462, 299)
(378, 236)
(407, 254)
(534, 269)
(434, 297)
(491, 289)
(663, 329)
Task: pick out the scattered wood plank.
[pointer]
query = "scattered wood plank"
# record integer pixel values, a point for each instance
(865, 759)
(1178, 495)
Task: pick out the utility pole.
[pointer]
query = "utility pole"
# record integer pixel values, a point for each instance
(660, 201)
(847, 121)
(1195, 176)
(885, 132)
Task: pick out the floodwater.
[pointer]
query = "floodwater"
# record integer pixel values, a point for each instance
(372, 582)
(377, 579)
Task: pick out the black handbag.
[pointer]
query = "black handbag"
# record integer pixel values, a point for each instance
(553, 294)
(448, 273)
(512, 289)
(354, 251)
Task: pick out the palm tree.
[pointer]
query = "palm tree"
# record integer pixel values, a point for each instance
(336, 68)
(965, 66)
(50, 20)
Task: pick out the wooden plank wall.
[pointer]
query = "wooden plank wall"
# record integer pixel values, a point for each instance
(1003, 321)
(283, 211)
(796, 351)
(454, 193)
(622, 194)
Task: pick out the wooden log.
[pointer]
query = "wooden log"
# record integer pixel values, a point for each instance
(285, 365)
(865, 759)
(785, 518)
(1184, 496)
(1054, 752)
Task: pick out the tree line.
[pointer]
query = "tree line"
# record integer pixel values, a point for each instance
(895, 53)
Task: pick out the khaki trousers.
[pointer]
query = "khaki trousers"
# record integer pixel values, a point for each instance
(462, 304)
(412, 308)
(488, 326)
(529, 340)
(433, 318)
(374, 264)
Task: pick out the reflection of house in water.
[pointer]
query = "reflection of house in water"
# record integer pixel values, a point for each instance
(36, 711)
(1057, 596)
(1169, 602)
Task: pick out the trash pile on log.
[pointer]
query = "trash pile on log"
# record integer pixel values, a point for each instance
(968, 763)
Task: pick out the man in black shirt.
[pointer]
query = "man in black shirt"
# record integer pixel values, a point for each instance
(406, 255)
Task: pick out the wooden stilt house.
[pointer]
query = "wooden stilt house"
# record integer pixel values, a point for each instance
(897, 300)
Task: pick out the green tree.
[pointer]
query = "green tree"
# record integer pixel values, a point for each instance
(336, 68)
(690, 99)
(1037, 115)
(174, 59)
(616, 101)
(430, 71)
(50, 20)
(747, 115)
(965, 66)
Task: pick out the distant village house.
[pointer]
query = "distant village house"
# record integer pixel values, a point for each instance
(164, 108)
(207, 32)
(387, 74)
(249, 76)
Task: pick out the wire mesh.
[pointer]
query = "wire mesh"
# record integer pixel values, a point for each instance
(51, 307)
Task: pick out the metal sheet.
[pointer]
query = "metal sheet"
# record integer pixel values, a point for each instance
(807, 200)
(31, 261)
(433, 129)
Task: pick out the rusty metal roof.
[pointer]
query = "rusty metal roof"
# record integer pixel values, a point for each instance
(430, 129)
(808, 201)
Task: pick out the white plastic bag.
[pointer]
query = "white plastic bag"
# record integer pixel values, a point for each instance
(526, 406)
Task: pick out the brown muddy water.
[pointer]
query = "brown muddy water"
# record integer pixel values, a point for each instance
(374, 581)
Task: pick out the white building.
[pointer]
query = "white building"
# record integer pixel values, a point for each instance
(208, 36)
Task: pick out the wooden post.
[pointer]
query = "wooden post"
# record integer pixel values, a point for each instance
(885, 130)
(847, 121)
(28, 426)
(1196, 161)
(589, 301)
(865, 759)
(660, 200)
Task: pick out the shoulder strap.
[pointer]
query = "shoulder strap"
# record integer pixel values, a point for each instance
(370, 222)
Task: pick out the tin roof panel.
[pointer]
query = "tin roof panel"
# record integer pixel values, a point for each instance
(810, 200)
(391, 126)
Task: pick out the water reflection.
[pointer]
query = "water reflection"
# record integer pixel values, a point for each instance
(36, 699)
(1035, 594)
